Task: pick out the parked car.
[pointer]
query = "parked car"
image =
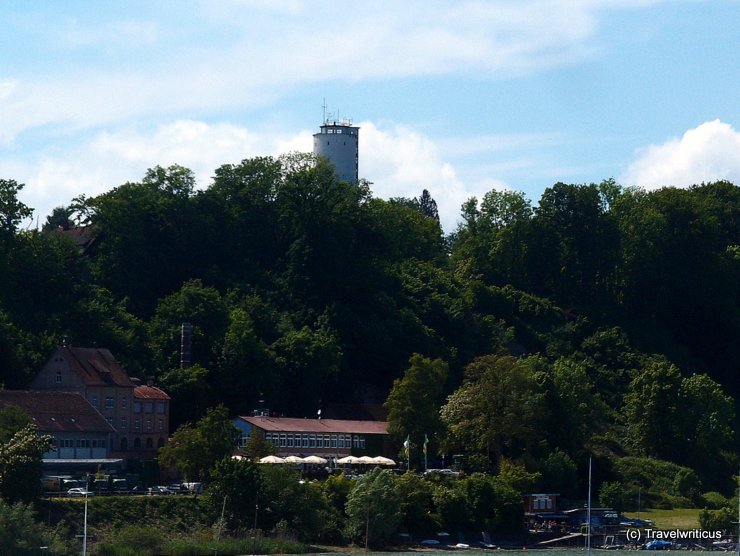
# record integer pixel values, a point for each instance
(79, 491)
(178, 488)
(161, 489)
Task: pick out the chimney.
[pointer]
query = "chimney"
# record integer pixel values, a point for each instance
(185, 343)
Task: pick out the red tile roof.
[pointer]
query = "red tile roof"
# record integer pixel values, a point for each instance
(325, 426)
(54, 411)
(96, 366)
(150, 393)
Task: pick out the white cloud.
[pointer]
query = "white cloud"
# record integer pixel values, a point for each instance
(706, 153)
(245, 54)
(402, 162)
(111, 158)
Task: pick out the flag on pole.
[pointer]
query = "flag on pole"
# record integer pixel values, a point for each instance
(426, 441)
(407, 447)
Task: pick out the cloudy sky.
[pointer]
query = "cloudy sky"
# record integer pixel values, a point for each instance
(456, 97)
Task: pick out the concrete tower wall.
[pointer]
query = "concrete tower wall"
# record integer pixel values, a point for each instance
(338, 142)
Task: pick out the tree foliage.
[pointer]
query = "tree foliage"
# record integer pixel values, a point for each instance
(196, 449)
(608, 315)
(20, 464)
(374, 509)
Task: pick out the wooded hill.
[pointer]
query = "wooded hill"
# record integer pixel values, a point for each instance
(600, 320)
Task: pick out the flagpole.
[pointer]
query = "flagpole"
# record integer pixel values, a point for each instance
(426, 441)
(407, 448)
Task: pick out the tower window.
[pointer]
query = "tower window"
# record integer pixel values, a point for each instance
(58, 378)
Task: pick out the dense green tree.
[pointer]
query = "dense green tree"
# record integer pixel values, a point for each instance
(20, 464)
(414, 400)
(147, 237)
(292, 506)
(308, 361)
(12, 419)
(495, 411)
(59, 219)
(374, 509)
(560, 474)
(196, 449)
(613, 495)
(233, 490)
(19, 532)
(12, 210)
(651, 410)
(204, 308)
(417, 503)
(707, 416)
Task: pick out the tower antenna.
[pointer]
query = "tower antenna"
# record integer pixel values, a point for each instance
(324, 107)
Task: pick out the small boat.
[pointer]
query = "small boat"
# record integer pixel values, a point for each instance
(658, 544)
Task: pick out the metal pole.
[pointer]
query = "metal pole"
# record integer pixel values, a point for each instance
(588, 510)
(84, 526)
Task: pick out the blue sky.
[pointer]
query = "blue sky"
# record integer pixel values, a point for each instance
(456, 97)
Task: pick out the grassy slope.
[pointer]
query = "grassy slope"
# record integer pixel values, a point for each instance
(682, 518)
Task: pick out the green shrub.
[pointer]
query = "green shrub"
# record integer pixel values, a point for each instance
(132, 541)
(713, 500)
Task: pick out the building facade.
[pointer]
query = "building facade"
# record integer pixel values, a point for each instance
(138, 414)
(81, 437)
(322, 437)
(338, 141)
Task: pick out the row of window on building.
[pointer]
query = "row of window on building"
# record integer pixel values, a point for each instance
(82, 443)
(148, 425)
(295, 440)
(138, 407)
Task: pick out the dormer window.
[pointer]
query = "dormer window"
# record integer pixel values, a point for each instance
(58, 378)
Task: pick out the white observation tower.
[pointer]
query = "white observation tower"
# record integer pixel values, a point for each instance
(338, 142)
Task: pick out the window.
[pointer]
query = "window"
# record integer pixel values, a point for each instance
(124, 422)
(160, 425)
(283, 441)
(161, 408)
(124, 402)
(290, 441)
(58, 378)
(137, 407)
(148, 407)
(149, 443)
(333, 440)
(137, 442)
(95, 401)
(305, 440)
(327, 441)
(341, 441)
(148, 424)
(137, 424)
(311, 440)
(110, 402)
